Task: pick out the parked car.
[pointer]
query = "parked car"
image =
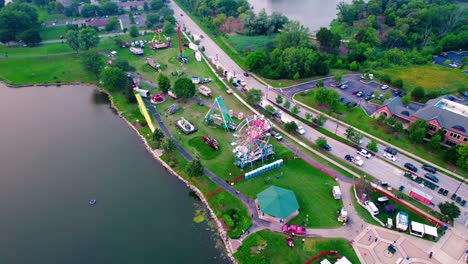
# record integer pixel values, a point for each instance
(246, 74)
(389, 156)
(429, 168)
(453, 197)
(403, 93)
(368, 98)
(370, 93)
(410, 166)
(441, 190)
(396, 92)
(463, 203)
(384, 87)
(360, 94)
(327, 147)
(355, 92)
(278, 137)
(364, 153)
(458, 200)
(445, 192)
(431, 177)
(451, 98)
(358, 161)
(380, 97)
(391, 151)
(348, 158)
(300, 130)
(344, 86)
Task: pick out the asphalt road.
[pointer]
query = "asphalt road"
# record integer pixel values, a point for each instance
(375, 167)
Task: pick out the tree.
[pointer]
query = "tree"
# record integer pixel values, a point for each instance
(254, 96)
(450, 209)
(156, 5)
(418, 93)
(168, 27)
(164, 83)
(133, 32)
(329, 41)
(293, 34)
(338, 78)
(184, 88)
(15, 19)
(372, 146)
(350, 132)
(354, 66)
(327, 96)
(308, 115)
(256, 60)
(30, 37)
(152, 20)
(73, 40)
(417, 131)
(89, 10)
(270, 110)
(168, 145)
(387, 95)
(92, 61)
(295, 110)
(123, 64)
(109, 8)
(88, 38)
(290, 126)
(195, 168)
(279, 99)
(406, 100)
(113, 24)
(434, 142)
(321, 142)
(287, 104)
(462, 160)
(320, 120)
(114, 79)
(398, 127)
(319, 84)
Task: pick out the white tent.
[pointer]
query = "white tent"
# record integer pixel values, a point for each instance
(430, 230)
(325, 261)
(343, 260)
(417, 229)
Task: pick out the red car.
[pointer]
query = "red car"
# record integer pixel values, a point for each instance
(294, 230)
(355, 91)
(290, 241)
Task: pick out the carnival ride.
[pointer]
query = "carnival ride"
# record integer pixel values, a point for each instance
(186, 126)
(211, 142)
(157, 98)
(153, 64)
(251, 140)
(157, 42)
(226, 120)
(205, 91)
(183, 58)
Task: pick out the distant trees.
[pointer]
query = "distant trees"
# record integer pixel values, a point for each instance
(84, 39)
(19, 21)
(329, 41)
(320, 120)
(115, 79)
(184, 88)
(92, 61)
(279, 99)
(262, 24)
(293, 34)
(353, 135)
(418, 93)
(256, 60)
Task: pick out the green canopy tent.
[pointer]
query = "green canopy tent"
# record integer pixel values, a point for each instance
(277, 202)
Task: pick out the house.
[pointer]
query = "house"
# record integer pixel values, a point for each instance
(100, 23)
(131, 5)
(439, 113)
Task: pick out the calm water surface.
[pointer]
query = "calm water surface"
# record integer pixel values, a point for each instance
(60, 147)
(311, 13)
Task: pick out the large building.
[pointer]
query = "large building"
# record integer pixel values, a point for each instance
(439, 113)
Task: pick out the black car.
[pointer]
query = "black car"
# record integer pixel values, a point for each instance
(391, 151)
(370, 93)
(348, 158)
(367, 98)
(397, 92)
(327, 147)
(441, 190)
(453, 197)
(445, 192)
(429, 168)
(410, 166)
(463, 203)
(458, 200)
(431, 177)
(403, 93)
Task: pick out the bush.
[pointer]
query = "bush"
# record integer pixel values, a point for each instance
(386, 78)
(397, 82)
(228, 221)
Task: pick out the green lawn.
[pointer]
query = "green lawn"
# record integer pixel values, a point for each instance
(430, 77)
(358, 118)
(46, 49)
(309, 185)
(49, 69)
(268, 247)
(51, 33)
(242, 43)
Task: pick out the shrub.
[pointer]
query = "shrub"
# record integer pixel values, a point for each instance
(228, 221)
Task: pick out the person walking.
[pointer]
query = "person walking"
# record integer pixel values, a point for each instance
(430, 255)
(370, 238)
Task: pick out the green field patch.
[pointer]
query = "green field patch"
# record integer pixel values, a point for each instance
(51, 33)
(202, 149)
(243, 43)
(269, 247)
(430, 77)
(46, 49)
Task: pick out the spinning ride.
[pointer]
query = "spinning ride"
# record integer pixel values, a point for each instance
(251, 140)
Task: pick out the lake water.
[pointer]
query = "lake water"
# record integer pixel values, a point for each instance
(60, 147)
(311, 13)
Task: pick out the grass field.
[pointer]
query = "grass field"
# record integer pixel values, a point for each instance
(268, 247)
(48, 69)
(430, 77)
(359, 119)
(51, 33)
(309, 185)
(52, 48)
(243, 43)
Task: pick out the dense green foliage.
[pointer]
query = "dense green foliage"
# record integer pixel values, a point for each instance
(450, 209)
(19, 21)
(184, 88)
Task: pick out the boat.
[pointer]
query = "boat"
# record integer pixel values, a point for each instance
(92, 201)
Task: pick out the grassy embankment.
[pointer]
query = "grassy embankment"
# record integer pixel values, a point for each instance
(358, 118)
(268, 247)
(52, 33)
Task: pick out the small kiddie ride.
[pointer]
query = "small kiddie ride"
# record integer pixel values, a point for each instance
(153, 64)
(205, 91)
(157, 42)
(290, 242)
(172, 109)
(343, 215)
(211, 142)
(226, 120)
(157, 99)
(185, 126)
(294, 230)
(136, 51)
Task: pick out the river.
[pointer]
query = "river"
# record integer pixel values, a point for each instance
(311, 13)
(60, 147)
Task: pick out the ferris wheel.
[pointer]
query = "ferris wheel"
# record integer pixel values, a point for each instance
(251, 140)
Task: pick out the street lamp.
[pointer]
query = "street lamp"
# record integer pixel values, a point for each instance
(463, 181)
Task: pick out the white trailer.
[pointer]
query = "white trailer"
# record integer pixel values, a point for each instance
(336, 192)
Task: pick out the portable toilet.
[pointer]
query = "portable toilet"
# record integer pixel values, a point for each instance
(336, 192)
(389, 223)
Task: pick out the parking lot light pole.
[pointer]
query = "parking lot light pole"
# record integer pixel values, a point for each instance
(463, 181)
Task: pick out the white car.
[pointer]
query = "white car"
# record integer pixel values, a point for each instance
(364, 153)
(278, 136)
(389, 156)
(300, 130)
(358, 161)
(384, 87)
